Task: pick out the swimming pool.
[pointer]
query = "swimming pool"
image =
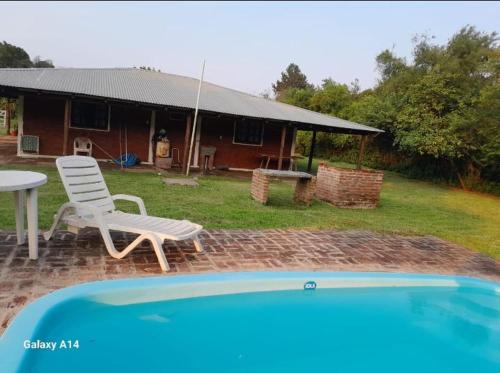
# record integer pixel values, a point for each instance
(261, 322)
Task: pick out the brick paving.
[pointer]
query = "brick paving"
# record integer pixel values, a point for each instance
(70, 259)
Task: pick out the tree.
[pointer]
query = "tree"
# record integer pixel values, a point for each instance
(12, 56)
(440, 111)
(148, 68)
(331, 98)
(292, 77)
(445, 102)
(300, 97)
(37, 62)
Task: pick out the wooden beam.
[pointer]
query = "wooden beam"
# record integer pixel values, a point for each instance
(361, 154)
(187, 137)
(311, 152)
(7, 116)
(282, 147)
(152, 130)
(67, 116)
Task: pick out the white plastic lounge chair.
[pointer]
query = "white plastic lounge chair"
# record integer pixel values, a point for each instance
(91, 205)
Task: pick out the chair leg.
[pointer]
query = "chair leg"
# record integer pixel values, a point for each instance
(197, 244)
(158, 248)
(57, 220)
(155, 241)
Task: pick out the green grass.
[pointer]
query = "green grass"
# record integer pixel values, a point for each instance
(406, 207)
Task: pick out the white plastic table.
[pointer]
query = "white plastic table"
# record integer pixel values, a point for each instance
(19, 182)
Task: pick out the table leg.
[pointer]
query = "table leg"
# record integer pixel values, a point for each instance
(32, 203)
(19, 203)
(267, 163)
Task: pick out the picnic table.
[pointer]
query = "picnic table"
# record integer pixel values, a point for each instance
(265, 159)
(304, 187)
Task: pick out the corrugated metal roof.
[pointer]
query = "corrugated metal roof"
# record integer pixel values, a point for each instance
(163, 89)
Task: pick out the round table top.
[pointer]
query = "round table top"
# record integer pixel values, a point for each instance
(18, 180)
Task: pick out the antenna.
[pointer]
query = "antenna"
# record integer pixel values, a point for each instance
(195, 119)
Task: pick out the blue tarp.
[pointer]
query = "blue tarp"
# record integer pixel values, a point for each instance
(127, 160)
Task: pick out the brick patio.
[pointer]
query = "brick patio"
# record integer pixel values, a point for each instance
(69, 259)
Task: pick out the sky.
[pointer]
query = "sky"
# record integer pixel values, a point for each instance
(245, 45)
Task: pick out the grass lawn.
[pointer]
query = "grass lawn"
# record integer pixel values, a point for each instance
(406, 207)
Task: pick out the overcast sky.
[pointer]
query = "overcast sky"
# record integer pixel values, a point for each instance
(246, 45)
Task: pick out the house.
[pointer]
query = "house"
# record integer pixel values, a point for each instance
(121, 110)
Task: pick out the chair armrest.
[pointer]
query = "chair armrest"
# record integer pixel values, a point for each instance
(137, 200)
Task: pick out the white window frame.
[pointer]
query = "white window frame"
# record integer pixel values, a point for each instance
(91, 129)
(244, 143)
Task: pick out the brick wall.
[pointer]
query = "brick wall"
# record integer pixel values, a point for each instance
(260, 186)
(44, 117)
(349, 188)
(219, 132)
(304, 190)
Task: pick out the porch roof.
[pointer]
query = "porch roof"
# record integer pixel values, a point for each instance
(169, 90)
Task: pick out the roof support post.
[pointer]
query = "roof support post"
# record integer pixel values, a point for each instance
(282, 147)
(7, 115)
(361, 155)
(311, 151)
(20, 123)
(67, 116)
(187, 136)
(152, 130)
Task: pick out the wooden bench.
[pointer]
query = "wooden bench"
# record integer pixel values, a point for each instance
(304, 188)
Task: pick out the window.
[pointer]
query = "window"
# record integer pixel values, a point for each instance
(88, 115)
(248, 132)
(176, 116)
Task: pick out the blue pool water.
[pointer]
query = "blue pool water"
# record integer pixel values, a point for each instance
(377, 329)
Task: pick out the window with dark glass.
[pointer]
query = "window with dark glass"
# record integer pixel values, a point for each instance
(248, 132)
(89, 115)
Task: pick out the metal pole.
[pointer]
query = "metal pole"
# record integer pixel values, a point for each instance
(193, 131)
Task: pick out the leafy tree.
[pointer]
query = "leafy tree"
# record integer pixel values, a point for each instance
(292, 77)
(440, 111)
(12, 56)
(300, 97)
(389, 65)
(148, 68)
(331, 98)
(37, 62)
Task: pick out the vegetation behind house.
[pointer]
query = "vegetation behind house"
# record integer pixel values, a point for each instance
(440, 111)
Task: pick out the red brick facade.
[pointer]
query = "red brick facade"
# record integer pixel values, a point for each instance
(44, 117)
(349, 188)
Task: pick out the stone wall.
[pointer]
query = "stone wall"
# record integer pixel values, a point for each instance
(349, 188)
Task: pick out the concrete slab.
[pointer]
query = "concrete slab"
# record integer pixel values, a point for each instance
(181, 182)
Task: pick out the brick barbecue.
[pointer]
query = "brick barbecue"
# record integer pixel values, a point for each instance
(349, 188)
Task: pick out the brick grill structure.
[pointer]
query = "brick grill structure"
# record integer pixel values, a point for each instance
(69, 259)
(304, 189)
(349, 188)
